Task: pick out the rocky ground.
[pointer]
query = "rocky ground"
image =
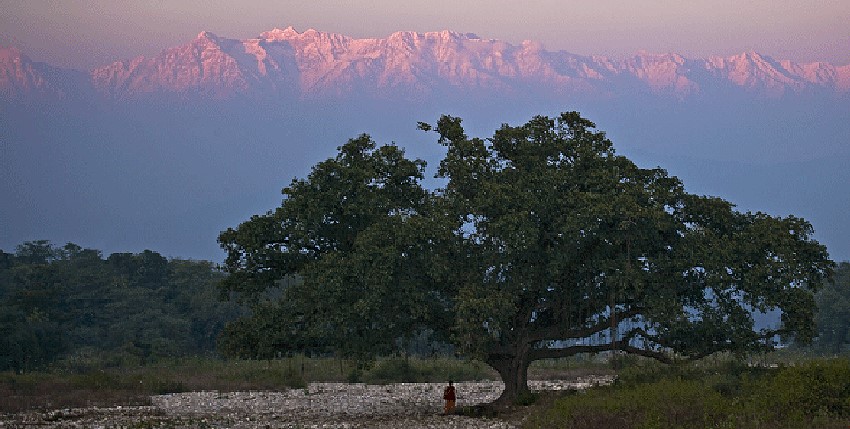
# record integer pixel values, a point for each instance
(320, 405)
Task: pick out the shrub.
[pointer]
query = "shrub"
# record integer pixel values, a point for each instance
(663, 404)
(819, 387)
(720, 395)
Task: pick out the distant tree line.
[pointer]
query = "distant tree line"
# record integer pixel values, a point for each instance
(70, 303)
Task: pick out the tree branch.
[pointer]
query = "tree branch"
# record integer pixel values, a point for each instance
(554, 353)
(557, 333)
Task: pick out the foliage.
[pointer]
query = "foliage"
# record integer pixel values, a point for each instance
(833, 317)
(70, 303)
(351, 253)
(802, 392)
(812, 394)
(544, 243)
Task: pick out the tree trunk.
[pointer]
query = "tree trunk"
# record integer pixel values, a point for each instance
(513, 368)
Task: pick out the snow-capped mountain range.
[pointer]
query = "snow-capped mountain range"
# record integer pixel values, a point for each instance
(283, 63)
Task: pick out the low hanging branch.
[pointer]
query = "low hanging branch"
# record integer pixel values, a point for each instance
(564, 352)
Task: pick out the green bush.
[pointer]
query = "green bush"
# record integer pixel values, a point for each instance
(819, 387)
(667, 403)
(720, 395)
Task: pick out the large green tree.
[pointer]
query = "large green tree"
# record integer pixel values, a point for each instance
(544, 243)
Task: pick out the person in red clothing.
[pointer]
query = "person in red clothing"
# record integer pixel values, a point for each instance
(449, 396)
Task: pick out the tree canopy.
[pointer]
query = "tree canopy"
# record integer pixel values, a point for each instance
(543, 243)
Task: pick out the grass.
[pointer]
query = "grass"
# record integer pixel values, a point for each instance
(571, 368)
(436, 370)
(19, 392)
(718, 394)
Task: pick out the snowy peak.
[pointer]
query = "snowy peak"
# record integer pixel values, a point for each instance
(289, 34)
(207, 37)
(411, 65)
(278, 34)
(842, 78)
(755, 72)
(10, 54)
(205, 66)
(22, 78)
(18, 74)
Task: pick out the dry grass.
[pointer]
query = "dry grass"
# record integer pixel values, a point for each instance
(567, 369)
(45, 391)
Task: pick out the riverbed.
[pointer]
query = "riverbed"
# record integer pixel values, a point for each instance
(320, 405)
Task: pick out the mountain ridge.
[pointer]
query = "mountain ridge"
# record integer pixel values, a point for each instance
(283, 63)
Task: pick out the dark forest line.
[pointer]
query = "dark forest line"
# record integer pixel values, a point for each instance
(72, 304)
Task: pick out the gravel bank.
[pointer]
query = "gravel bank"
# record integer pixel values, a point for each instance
(320, 405)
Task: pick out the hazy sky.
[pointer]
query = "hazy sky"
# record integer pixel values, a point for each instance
(87, 33)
